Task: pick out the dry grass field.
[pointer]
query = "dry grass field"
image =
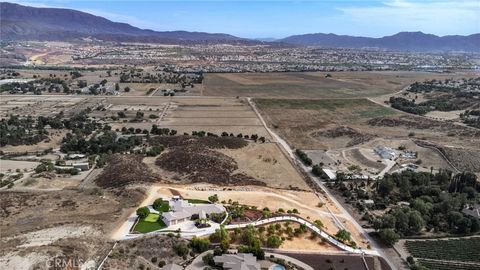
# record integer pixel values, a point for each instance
(313, 84)
(267, 163)
(308, 124)
(297, 120)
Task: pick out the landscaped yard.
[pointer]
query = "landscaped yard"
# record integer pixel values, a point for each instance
(163, 207)
(149, 224)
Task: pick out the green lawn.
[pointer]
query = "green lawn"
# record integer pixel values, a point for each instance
(152, 217)
(197, 201)
(149, 224)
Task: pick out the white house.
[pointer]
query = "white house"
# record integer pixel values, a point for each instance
(240, 261)
(182, 211)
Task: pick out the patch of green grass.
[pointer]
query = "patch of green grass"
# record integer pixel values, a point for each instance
(152, 217)
(151, 223)
(197, 201)
(375, 111)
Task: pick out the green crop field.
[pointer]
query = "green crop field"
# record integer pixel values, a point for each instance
(440, 265)
(461, 254)
(466, 250)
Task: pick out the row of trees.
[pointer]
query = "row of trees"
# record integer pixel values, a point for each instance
(253, 137)
(304, 157)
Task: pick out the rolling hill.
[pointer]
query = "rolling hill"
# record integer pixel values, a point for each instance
(19, 22)
(405, 41)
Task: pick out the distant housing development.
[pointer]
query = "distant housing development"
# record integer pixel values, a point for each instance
(182, 211)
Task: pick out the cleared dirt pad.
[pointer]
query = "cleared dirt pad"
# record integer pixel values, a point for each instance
(13, 165)
(357, 156)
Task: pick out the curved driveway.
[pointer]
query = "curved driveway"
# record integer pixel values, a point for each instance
(311, 226)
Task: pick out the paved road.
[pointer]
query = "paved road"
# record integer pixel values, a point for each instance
(311, 226)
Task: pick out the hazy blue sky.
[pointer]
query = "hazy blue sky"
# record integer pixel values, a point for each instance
(277, 19)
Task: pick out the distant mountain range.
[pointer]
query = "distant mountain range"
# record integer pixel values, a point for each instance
(406, 41)
(19, 22)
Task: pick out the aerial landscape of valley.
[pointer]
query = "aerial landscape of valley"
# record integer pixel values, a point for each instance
(216, 147)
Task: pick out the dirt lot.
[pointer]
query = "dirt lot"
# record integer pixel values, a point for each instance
(12, 165)
(266, 162)
(70, 224)
(312, 84)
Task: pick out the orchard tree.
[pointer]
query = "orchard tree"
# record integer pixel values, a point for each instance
(273, 241)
